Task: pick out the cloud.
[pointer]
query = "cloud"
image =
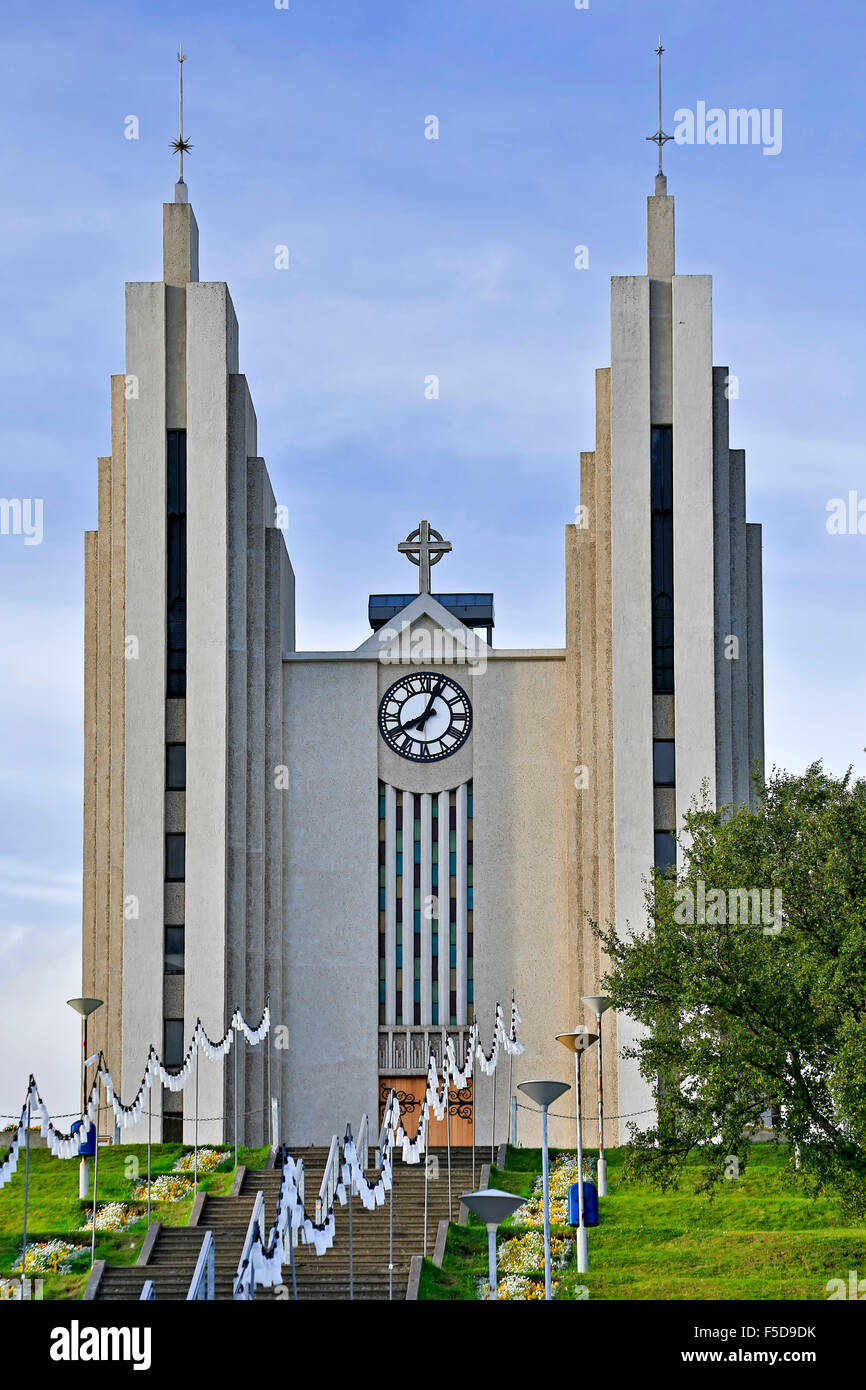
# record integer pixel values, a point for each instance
(41, 1034)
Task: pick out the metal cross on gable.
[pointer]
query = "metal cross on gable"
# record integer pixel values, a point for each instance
(424, 547)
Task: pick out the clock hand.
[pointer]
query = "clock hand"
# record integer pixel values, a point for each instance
(422, 719)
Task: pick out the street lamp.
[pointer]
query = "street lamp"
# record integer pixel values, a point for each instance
(598, 1003)
(491, 1206)
(84, 1008)
(578, 1043)
(544, 1093)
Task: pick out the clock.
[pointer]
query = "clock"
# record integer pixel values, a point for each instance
(425, 717)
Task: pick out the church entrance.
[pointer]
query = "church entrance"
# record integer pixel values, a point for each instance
(411, 1091)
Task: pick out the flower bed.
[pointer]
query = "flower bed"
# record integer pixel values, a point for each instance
(166, 1188)
(514, 1288)
(114, 1216)
(208, 1161)
(562, 1174)
(49, 1257)
(525, 1254)
(532, 1212)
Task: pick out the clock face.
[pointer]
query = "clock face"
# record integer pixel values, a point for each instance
(425, 717)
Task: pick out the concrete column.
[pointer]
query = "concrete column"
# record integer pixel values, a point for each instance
(144, 791)
(631, 629)
(426, 895)
(408, 1007)
(722, 584)
(255, 987)
(739, 629)
(275, 795)
(390, 905)
(444, 892)
(694, 589)
(461, 902)
(755, 667)
(211, 358)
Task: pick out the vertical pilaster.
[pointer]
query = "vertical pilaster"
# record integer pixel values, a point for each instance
(755, 669)
(722, 586)
(275, 795)
(694, 588)
(739, 629)
(212, 724)
(144, 738)
(631, 648)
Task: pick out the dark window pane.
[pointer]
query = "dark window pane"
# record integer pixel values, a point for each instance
(175, 766)
(664, 763)
(662, 557)
(174, 947)
(175, 858)
(172, 1042)
(176, 562)
(665, 850)
(172, 1129)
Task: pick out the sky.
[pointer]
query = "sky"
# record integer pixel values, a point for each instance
(408, 258)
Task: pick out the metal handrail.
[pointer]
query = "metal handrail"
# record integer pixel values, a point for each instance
(330, 1179)
(362, 1143)
(148, 1294)
(380, 1141)
(202, 1283)
(245, 1284)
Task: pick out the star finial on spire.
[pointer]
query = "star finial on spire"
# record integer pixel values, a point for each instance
(660, 138)
(180, 146)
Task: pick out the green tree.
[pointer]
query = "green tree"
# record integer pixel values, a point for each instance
(742, 1017)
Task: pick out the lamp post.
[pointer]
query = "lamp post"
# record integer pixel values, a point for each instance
(84, 1008)
(598, 1003)
(544, 1093)
(492, 1206)
(578, 1043)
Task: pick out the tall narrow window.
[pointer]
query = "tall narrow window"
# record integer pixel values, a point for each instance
(175, 766)
(174, 951)
(428, 843)
(175, 858)
(176, 562)
(172, 1042)
(662, 558)
(664, 762)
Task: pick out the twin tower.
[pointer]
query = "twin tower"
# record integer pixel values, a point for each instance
(234, 843)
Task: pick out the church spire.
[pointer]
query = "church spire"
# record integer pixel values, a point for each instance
(180, 146)
(179, 228)
(659, 206)
(660, 139)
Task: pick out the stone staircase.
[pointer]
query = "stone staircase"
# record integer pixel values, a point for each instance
(327, 1276)
(169, 1254)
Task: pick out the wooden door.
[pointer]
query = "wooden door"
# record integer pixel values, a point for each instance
(411, 1091)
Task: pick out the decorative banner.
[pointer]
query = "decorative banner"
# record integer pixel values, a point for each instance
(263, 1264)
(10, 1163)
(63, 1145)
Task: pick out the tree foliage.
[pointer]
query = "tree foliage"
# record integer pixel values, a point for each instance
(742, 1018)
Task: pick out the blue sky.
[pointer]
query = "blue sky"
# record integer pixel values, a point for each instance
(412, 257)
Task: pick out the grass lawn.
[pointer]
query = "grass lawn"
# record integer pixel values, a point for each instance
(54, 1210)
(758, 1238)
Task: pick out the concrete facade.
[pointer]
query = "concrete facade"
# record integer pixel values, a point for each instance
(294, 808)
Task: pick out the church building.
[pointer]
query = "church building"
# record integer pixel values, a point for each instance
(387, 841)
